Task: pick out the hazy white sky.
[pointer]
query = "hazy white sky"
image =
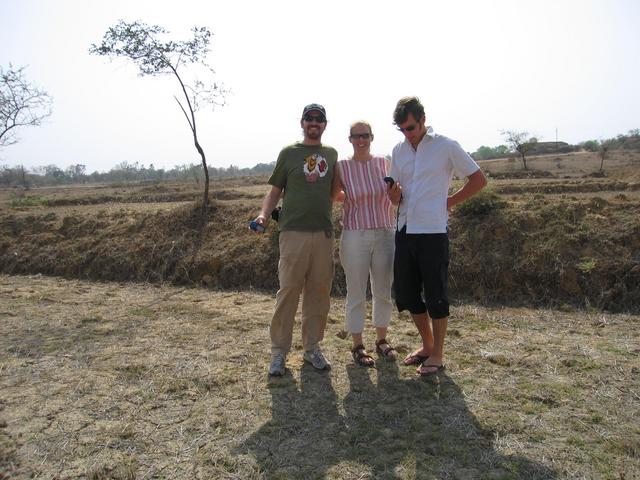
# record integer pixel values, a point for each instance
(479, 66)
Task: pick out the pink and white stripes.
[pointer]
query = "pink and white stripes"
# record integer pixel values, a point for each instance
(366, 205)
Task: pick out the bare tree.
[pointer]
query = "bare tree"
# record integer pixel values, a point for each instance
(23, 175)
(142, 44)
(77, 172)
(603, 150)
(21, 104)
(520, 142)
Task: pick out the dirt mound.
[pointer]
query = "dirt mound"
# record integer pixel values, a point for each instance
(160, 246)
(100, 199)
(538, 251)
(568, 186)
(550, 252)
(522, 174)
(145, 195)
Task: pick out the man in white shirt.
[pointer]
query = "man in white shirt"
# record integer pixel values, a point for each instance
(422, 167)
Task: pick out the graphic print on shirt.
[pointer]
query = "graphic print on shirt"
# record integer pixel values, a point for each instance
(315, 166)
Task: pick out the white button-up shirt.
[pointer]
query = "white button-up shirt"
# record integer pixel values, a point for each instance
(425, 176)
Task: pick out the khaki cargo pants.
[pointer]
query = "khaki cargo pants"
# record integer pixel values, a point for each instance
(305, 267)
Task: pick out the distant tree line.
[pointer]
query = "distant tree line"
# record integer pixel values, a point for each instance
(124, 172)
(136, 172)
(519, 142)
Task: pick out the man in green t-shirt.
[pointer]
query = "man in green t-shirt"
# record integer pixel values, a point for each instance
(303, 175)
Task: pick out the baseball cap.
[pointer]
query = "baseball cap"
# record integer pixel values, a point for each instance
(314, 106)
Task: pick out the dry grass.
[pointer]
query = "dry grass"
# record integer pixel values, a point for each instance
(132, 193)
(570, 165)
(544, 241)
(121, 380)
(104, 380)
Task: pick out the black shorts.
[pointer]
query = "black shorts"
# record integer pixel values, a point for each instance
(421, 267)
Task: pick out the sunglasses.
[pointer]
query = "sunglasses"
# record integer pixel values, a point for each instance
(317, 118)
(410, 128)
(363, 136)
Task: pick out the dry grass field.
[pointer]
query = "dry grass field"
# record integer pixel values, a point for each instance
(134, 340)
(119, 380)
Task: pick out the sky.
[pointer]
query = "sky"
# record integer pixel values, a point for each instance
(478, 66)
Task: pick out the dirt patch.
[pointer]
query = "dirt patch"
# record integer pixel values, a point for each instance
(106, 380)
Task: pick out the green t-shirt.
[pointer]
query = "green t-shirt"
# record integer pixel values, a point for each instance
(305, 172)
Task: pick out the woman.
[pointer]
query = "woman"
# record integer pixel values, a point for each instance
(367, 242)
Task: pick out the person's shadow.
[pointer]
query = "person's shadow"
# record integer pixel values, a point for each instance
(299, 440)
(391, 429)
(422, 428)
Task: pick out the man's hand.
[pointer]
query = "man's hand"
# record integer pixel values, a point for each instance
(394, 192)
(475, 182)
(268, 204)
(262, 221)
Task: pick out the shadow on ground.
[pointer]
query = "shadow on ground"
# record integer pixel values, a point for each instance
(393, 428)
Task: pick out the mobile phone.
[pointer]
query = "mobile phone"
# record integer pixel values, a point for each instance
(256, 227)
(389, 181)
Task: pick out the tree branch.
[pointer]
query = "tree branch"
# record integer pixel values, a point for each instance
(185, 114)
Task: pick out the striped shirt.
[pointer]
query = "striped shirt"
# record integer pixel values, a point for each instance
(366, 205)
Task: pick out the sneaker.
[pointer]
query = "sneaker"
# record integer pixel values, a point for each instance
(277, 365)
(316, 358)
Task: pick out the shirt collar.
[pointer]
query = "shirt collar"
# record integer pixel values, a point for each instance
(430, 133)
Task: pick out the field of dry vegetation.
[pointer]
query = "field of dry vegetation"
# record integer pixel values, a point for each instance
(134, 340)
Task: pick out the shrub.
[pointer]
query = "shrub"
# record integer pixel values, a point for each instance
(26, 201)
(482, 203)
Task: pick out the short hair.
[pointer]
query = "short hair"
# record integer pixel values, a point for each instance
(360, 122)
(406, 106)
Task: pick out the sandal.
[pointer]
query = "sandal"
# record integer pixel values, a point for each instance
(385, 350)
(415, 359)
(433, 369)
(361, 357)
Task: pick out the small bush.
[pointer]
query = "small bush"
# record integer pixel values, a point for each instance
(482, 203)
(26, 201)
(586, 265)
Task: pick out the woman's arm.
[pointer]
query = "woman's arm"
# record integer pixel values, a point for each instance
(337, 188)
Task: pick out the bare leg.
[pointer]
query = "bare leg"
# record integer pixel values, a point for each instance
(436, 359)
(381, 332)
(425, 329)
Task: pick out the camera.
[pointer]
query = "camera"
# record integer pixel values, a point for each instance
(389, 181)
(256, 227)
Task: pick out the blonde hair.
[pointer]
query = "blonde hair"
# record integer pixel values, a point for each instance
(360, 122)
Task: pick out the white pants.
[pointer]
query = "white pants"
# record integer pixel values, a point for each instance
(365, 253)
